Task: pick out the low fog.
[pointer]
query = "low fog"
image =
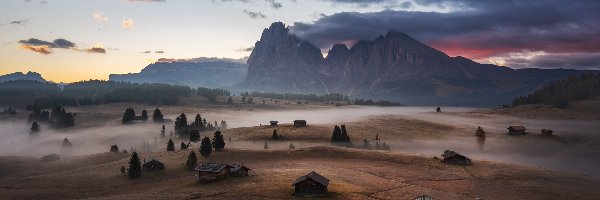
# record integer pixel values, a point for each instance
(572, 151)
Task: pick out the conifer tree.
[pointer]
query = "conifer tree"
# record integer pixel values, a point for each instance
(162, 132)
(135, 166)
(170, 145)
(194, 136)
(157, 115)
(66, 144)
(218, 141)
(181, 125)
(35, 128)
(230, 100)
(345, 136)
(191, 161)
(479, 132)
(337, 134)
(266, 146)
(275, 136)
(183, 146)
(144, 115)
(128, 116)
(205, 147)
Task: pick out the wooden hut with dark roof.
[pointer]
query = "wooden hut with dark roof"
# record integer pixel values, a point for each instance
(299, 123)
(516, 130)
(153, 165)
(454, 158)
(210, 172)
(273, 123)
(311, 185)
(238, 170)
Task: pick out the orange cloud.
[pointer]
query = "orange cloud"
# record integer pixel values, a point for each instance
(128, 23)
(39, 49)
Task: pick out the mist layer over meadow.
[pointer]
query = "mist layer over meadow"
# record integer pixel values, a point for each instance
(571, 150)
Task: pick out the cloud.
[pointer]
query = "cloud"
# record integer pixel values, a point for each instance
(45, 47)
(274, 4)
(254, 15)
(146, 52)
(476, 29)
(540, 59)
(247, 49)
(96, 50)
(159, 52)
(271, 3)
(204, 59)
(127, 23)
(18, 22)
(363, 3)
(98, 16)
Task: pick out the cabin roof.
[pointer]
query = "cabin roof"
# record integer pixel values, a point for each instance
(273, 121)
(300, 121)
(152, 161)
(210, 167)
(313, 176)
(517, 128)
(236, 167)
(448, 154)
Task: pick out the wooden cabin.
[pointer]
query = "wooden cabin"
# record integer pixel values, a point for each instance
(210, 172)
(299, 123)
(454, 158)
(273, 123)
(311, 185)
(547, 132)
(238, 170)
(153, 165)
(516, 130)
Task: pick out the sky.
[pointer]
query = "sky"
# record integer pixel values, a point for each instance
(73, 40)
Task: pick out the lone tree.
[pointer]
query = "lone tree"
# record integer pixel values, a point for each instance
(170, 145)
(366, 144)
(157, 116)
(194, 136)
(218, 141)
(35, 128)
(266, 146)
(205, 147)
(229, 100)
(275, 136)
(114, 148)
(480, 132)
(67, 144)
(337, 134)
(135, 166)
(162, 132)
(128, 116)
(144, 115)
(181, 125)
(183, 146)
(191, 161)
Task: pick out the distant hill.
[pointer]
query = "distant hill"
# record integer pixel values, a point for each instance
(32, 76)
(194, 73)
(392, 67)
(561, 92)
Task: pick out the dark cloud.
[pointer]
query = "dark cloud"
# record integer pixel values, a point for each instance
(589, 61)
(362, 3)
(96, 50)
(272, 3)
(477, 29)
(247, 49)
(159, 52)
(45, 47)
(18, 22)
(254, 15)
(146, 52)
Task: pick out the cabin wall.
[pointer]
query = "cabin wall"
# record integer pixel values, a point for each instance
(309, 188)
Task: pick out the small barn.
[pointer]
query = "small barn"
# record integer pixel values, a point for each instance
(516, 130)
(273, 123)
(153, 165)
(299, 123)
(547, 132)
(238, 170)
(311, 185)
(210, 172)
(454, 158)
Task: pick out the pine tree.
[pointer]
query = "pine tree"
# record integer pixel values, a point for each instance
(157, 115)
(275, 136)
(191, 161)
(479, 132)
(35, 128)
(162, 132)
(170, 145)
(205, 147)
(345, 136)
(128, 116)
(230, 100)
(218, 141)
(66, 144)
(144, 115)
(181, 125)
(135, 166)
(183, 146)
(266, 146)
(366, 144)
(194, 136)
(337, 134)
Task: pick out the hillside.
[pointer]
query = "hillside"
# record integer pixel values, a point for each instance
(393, 67)
(31, 76)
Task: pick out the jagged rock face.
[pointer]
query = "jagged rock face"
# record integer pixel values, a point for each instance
(33, 76)
(393, 67)
(280, 61)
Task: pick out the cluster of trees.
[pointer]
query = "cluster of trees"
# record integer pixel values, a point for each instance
(340, 135)
(158, 117)
(9, 111)
(369, 102)
(218, 143)
(58, 117)
(378, 146)
(212, 93)
(307, 97)
(129, 116)
(561, 92)
(28, 88)
(183, 129)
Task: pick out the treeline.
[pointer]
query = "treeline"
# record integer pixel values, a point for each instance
(212, 93)
(94, 92)
(291, 96)
(375, 103)
(561, 92)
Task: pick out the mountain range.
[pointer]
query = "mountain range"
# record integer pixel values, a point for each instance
(32, 76)
(393, 67)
